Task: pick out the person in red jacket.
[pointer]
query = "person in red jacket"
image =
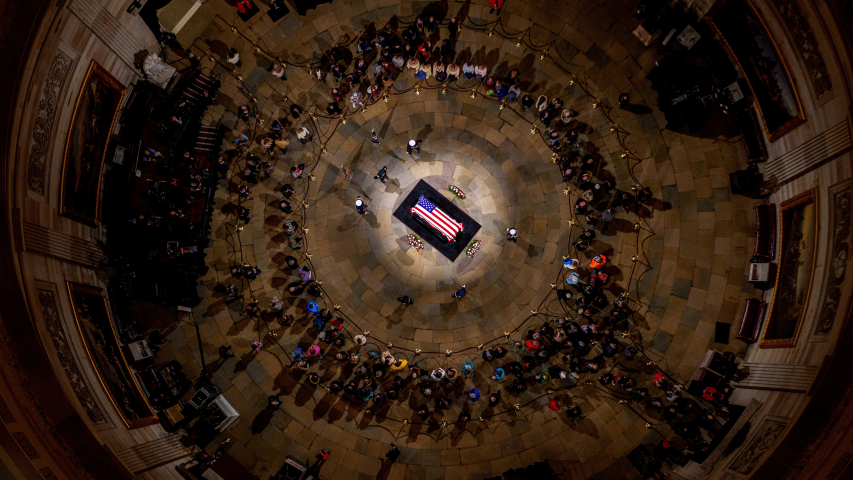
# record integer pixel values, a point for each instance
(496, 5)
(424, 50)
(554, 405)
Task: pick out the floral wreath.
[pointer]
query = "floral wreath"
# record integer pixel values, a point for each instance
(415, 241)
(473, 248)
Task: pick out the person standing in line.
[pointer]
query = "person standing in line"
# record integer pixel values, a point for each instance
(460, 293)
(405, 300)
(453, 27)
(496, 5)
(360, 206)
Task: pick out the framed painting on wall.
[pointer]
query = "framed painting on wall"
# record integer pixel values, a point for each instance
(744, 33)
(86, 145)
(797, 248)
(95, 325)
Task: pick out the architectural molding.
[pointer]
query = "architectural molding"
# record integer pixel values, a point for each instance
(47, 474)
(42, 240)
(5, 413)
(26, 446)
(809, 155)
(778, 377)
(108, 29)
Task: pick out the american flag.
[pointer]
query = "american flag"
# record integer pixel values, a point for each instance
(437, 218)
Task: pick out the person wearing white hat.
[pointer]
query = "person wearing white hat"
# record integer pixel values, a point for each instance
(414, 146)
(360, 206)
(513, 235)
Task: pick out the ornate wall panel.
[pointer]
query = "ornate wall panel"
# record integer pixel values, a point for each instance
(43, 128)
(26, 446)
(839, 251)
(761, 443)
(5, 413)
(47, 474)
(63, 347)
(806, 45)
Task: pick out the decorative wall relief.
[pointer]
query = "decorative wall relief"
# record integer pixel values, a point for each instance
(839, 221)
(762, 442)
(840, 466)
(47, 474)
(26, 446)
(806, 45)
(45, 117)
(62, 345)
(5, 413)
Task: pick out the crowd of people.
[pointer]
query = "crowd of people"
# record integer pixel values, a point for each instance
(560, 352)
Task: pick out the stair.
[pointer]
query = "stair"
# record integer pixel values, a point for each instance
(150, 455)
(194, 90)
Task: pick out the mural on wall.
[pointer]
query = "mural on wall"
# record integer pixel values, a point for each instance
(86, 145)
(94, 322)
(798, 231)
(762, 442)
(45, 117)
(839, 221)
(747, 38)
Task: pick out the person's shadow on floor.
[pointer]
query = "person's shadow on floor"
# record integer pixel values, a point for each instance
(262, 420)
(385, 470)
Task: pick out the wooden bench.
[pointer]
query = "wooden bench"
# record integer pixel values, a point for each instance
(750, 326)
(765, 233)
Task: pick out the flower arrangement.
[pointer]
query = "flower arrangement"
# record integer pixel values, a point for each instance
(455, 190)
(473, 248)
(415, 241)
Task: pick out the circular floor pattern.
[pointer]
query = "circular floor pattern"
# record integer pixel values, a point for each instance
(695, 257)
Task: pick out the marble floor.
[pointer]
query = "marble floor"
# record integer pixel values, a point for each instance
(691, 246)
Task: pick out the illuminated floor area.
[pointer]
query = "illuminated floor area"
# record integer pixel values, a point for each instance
(690, 271)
